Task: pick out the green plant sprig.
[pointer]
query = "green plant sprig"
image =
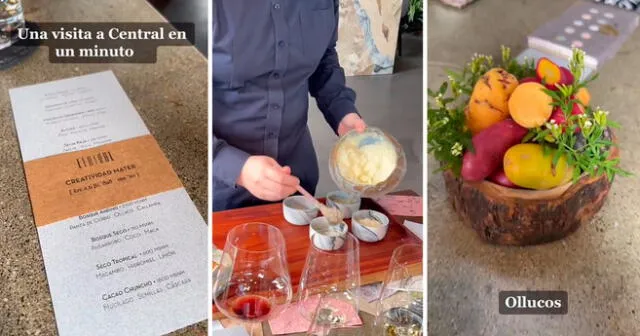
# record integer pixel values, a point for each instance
(585, 139)
(415, 10)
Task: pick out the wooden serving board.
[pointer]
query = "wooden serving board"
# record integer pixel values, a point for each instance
(374, 257)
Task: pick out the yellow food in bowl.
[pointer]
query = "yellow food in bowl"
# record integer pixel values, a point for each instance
(368, 164)
(369, 222)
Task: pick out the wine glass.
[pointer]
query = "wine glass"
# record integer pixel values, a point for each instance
(11, 20)
(399, 310)
(253, 282)
(327, 295)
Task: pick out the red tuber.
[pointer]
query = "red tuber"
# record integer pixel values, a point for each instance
(490, 146)
(499, 177)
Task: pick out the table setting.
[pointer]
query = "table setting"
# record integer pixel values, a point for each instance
(346, 264)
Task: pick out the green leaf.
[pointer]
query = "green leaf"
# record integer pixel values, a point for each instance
(556, 157)
(529, 136)
(456, 76)
(590, 79)
(443, 88)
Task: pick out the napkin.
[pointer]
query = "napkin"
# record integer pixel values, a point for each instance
(370, 293)
(402, 205)
(216, 325)
(233, 331)
(457, 3)
(291, 321)
(414, 227)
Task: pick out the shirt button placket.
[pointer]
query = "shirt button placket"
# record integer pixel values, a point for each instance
(276, 91)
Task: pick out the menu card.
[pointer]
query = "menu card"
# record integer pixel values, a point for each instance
(598, 30)
(124, 247)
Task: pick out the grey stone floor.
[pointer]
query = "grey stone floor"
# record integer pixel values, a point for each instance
(599, 265)
(390, 102)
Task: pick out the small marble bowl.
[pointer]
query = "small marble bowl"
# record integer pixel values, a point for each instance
(369, 225)
(298, 210)
(326, 236)
(346, 203)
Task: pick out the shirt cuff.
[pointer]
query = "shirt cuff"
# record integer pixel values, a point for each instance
(338, 111)
(228, 163)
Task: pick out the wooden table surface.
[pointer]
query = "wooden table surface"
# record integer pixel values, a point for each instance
(374, 257)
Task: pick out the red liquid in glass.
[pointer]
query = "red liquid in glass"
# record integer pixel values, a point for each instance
(251, 307)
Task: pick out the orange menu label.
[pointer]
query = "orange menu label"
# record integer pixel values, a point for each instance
(77, 183)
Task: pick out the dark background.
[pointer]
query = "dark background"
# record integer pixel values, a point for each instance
(195, 11)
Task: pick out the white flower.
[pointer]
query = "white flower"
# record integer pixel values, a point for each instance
(588, 124)
(456, 150)
(439, 99)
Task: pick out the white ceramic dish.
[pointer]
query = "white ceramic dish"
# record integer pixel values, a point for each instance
(346, 203)
(298, 210)
(369, 225)
(325, 236)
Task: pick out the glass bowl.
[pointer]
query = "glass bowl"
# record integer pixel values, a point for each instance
(371, 136)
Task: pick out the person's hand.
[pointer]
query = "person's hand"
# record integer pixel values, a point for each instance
(266, 179)
(351, 121)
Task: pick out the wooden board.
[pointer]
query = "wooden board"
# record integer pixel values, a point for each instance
(374, 257)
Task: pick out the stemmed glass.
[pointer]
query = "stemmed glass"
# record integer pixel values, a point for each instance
(327, 294)
(399, 310)
(253, 283)
(11, 19)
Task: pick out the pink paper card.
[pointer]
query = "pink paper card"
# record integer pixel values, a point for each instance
(401, 205)
(457, 3)
(371, 292)
(291, 321)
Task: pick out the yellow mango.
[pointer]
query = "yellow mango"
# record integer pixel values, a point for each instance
(489, 99)
(527, 166)
(484, 117)
(530, 106)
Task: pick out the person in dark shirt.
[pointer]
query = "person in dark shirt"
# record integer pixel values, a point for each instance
(268, 56)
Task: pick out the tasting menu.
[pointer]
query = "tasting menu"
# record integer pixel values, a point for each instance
(124, 247)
